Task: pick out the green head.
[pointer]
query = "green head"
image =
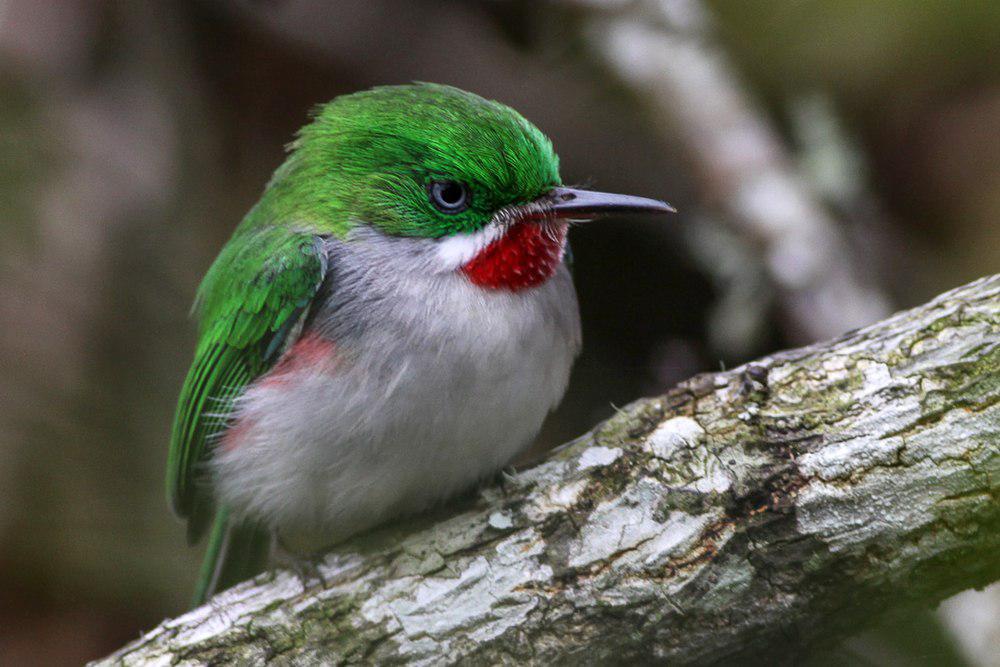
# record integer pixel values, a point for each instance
(418, 160)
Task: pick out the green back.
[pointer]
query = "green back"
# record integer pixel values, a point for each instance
(250, 300)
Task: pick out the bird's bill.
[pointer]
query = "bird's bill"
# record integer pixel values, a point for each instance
(574, 203)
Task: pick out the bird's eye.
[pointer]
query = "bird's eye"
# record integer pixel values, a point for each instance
(449, 196)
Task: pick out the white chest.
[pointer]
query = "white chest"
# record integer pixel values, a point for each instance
(432, 384)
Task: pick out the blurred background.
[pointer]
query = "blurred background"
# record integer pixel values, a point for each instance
(833, 160)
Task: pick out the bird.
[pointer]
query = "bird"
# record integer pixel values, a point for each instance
(388, 326)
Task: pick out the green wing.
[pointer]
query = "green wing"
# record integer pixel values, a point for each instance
(259, 288)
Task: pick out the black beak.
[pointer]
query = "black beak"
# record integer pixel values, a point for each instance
(570, 203)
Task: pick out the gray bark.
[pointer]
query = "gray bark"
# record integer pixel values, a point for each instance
(756, 513)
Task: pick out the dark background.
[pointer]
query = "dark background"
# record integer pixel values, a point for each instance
(134, 135)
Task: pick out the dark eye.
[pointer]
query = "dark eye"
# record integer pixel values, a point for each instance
(449, 196)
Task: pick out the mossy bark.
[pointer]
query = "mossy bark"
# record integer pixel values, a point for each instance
(754, 514)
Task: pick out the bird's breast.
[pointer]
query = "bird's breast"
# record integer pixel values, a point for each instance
(404, 392)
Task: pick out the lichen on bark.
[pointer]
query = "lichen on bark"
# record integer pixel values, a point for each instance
(753, 513)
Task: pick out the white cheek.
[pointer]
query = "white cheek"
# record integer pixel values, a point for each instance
(459, 249)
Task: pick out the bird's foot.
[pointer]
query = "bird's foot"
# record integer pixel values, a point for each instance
(306, 566)
(503, 478)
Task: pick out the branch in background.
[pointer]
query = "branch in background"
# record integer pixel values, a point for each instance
(662, 51)
(758, 512)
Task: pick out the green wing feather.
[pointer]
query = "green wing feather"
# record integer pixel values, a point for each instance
(250, 300)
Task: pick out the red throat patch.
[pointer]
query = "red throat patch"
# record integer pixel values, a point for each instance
(526, 256)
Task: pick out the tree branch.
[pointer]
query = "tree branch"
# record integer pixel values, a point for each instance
(753, 513)
(664, 52)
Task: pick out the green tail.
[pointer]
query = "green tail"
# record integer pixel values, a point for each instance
(236, 552)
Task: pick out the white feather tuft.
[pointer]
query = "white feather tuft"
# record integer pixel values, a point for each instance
(458, 250)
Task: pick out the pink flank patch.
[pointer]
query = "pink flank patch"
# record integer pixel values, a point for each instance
(235, 434)
(309, 353)
(526, 256)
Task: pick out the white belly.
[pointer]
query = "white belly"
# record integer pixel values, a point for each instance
(432, 386)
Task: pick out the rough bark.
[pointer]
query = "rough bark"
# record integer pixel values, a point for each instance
(755, 513)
